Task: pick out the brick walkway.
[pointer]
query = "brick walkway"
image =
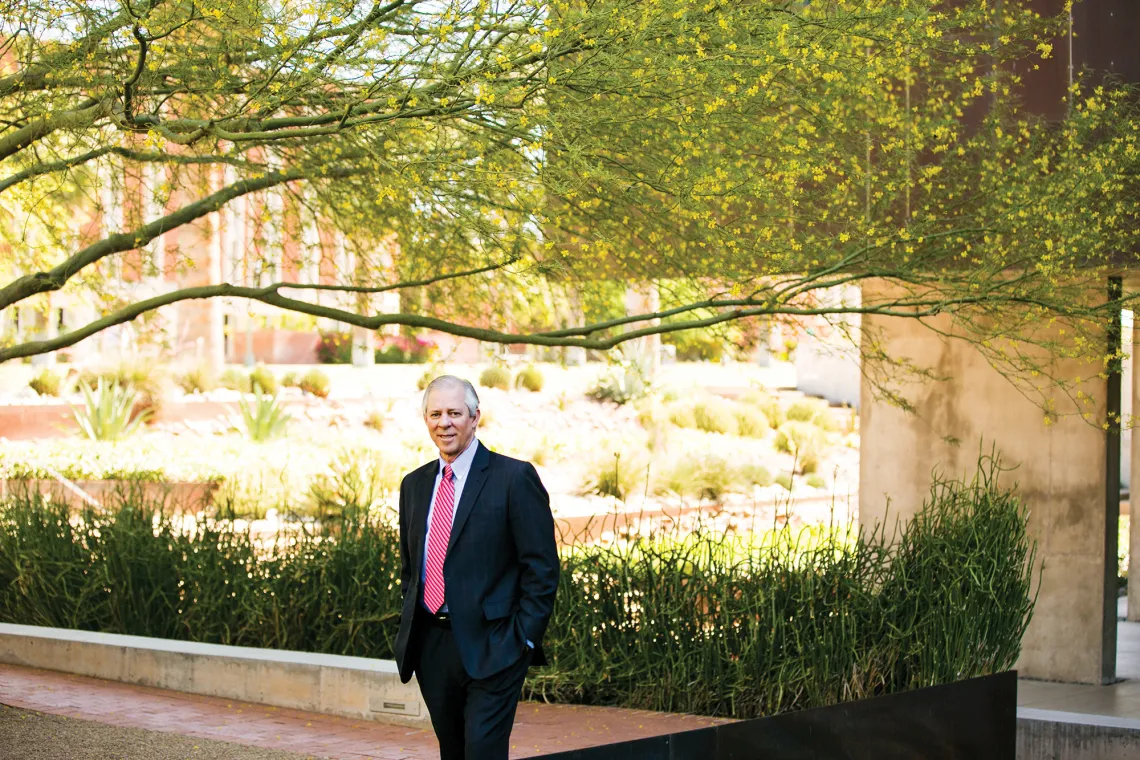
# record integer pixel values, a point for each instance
(539, 728)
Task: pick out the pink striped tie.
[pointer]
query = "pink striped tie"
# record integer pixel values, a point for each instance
(438, 536)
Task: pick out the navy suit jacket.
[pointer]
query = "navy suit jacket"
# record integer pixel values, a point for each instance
(501, 570)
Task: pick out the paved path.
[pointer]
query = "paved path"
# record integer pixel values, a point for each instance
(539, 728)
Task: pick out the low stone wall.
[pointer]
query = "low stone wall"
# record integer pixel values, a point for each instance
(354, 687)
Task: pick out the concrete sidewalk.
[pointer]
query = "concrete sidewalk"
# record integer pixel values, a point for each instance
(539, 728)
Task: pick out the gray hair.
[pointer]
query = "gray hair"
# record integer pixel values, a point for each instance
(470, 397)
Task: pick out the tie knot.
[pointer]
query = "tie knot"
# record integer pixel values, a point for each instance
(448, 473)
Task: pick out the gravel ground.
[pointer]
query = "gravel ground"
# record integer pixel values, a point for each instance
(28, 735)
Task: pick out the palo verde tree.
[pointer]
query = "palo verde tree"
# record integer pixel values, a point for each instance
(744, 157)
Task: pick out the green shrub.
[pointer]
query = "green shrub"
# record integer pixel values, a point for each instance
(708, 477)
(108, 412)
(756, 475)
(681, 414)
(750, 422)
(334, 347)
(236, 380)
(262, 379)
(315, 383)
(290, 380)
(496, 376)
(783, 620)
(815, 411)
(621, 384)
(768, 404)
(530, 378)
(46, 383)
(199, 379)
(804, 441)
(356, 480)
(617, 475)
(715, 415)
(815, 480)
(147, 380)
(375, 420)
(426, 378)
(264, 416)
(784, 480)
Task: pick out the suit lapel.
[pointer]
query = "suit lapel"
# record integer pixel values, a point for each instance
(421, 504)
(475, 480)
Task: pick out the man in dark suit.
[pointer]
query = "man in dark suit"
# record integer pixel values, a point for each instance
(479, 570)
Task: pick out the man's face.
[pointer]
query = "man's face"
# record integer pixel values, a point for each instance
(449, 422)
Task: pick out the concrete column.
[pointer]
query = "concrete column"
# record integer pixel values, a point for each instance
(1061, 475)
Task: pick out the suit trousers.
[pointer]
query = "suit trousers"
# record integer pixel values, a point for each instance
(472, 717)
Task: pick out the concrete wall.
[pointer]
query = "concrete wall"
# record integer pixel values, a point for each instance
(1060, 471)
(356, 687)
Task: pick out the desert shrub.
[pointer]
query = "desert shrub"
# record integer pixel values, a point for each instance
(530, 378)
(784, 480)
(108, 411)
(236, 380)
(148, 381)
(358, 479)
(715, 415)
(617, 475)
(804, 441)
(682, 415)
(290, 380)
(262, 379)
(200, 379)
(264, 416)
(401, 349)
(755, 474)
(815, 411)
(707, 476)
(622, 383)
(46, 383)
(334, 347)
(426, 378)
(375, 420)
(750, 421)
(766, 403)
(495, 376)
(315, 383)
(815, 480)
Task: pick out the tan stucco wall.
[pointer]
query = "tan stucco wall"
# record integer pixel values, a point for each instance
(1060, 471)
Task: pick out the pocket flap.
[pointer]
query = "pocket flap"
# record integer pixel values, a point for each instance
(493, 609)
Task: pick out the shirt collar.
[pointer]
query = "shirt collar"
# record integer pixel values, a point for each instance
(462, 464)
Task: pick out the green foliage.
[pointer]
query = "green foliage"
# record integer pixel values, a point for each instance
(734, 625)
(768, 404)
(622, 383)
(696, 345)
(804, 441)
(290, 380)
(815, 480)
(709, 477)
(713, 414)
(315, 383)
(751, 422)
(200, 379)
(356, 481)
(530, 378)
(334, 347)
(107, 413)
(262, 380)
(682, 415)
(45, 383)
(815, 411)
(756, 475)
(236, 380)
(618, 475)
(265, 418)
(784, 480)
(426, 378)
(148, 380)
(495, 376)
(375, 420)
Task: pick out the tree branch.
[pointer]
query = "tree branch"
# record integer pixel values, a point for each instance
(43, 282)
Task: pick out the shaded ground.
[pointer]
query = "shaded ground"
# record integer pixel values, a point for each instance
(27, 735)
